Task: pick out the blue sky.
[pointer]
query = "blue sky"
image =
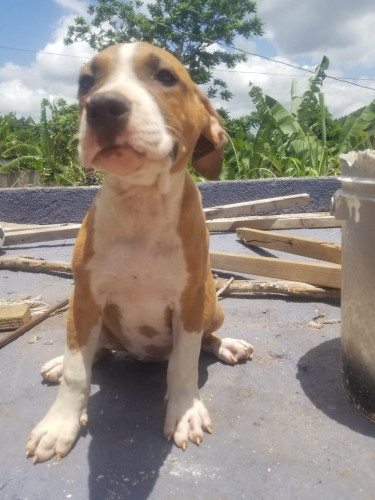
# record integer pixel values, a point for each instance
(26, 24)
(297, 32)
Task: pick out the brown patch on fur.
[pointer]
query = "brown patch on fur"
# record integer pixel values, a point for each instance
(193, 232)
(200, 309)
(111, 321)
(168, 318)
(213, 312)
(83, 312)
(148, 331)
(196, 127)
(100, 68)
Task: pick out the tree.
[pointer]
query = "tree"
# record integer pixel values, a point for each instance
(57, 142)
(193, 30)
(22, 127)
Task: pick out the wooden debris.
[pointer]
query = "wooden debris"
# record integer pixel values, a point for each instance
(327, 275)
(225, 286)
(25, 328)
(289, 288)
(33, 340)
(320, 324)
(34, 264)
(257, 206)
(21, 234)
(308, 247)
(13, 316)
(283, 221)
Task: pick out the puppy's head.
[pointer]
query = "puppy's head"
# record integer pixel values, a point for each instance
(141, 114)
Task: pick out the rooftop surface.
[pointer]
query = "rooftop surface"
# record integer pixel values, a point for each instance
(282, 425)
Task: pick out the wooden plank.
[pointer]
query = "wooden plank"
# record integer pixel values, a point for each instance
(257, 206)
(290, 288)
(308, 247)
(13, 316)
(47, 233)
(25, 328)
(327, 275)
(35, 264)
(283, 221)
(13, 228)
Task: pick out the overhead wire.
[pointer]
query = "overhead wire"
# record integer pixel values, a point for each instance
(2, 47)
(253, 54)
(228, 46)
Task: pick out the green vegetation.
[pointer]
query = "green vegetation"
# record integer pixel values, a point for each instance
(49, 146)
(305, 141)
(272, 141)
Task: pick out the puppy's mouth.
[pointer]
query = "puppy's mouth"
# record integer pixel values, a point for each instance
(125, 159)
(119, 159)
(118, 151)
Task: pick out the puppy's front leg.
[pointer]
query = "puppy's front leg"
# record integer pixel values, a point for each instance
(58, 430)
(187, 416)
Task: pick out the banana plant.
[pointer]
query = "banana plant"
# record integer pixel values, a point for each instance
(287, 141)
(16, 155)
(20, 157)
(358, 132)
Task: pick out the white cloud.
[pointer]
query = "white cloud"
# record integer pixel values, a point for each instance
(338, 28)
(78, 7)
(274, 80)
(304, 32)
(53, 74)
(16, 96)
(300, 31)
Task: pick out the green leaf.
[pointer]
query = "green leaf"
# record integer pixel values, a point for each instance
(353, 127)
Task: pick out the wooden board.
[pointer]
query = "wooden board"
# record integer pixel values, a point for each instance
(308, 247)
(13, 316)
(257, 206)
(271, 286)
(20, 234)
(284, 221)
(35, 264)
(327, 275)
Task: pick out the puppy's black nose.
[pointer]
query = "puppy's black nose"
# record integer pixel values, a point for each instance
(107, 110)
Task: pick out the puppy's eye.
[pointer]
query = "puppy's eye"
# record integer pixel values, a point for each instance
(86, 82)
(166, 77)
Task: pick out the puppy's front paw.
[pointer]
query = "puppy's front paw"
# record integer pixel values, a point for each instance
(55, 434)
(186, 420)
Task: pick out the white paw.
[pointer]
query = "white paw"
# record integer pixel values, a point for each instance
(186, 420)
(54, 435)
(52, 370)
(233, 350)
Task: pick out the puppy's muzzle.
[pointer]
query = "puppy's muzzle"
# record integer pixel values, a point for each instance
(107, 113)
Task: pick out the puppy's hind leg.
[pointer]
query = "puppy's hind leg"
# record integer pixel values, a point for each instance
(227, 349)
(52, 370)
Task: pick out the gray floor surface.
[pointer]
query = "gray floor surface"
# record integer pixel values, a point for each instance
(282, 425)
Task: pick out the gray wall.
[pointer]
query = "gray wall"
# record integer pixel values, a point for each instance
(59, 205)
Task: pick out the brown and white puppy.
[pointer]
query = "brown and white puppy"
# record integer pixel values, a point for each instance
(141, 265)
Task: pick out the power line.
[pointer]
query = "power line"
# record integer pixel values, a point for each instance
(42, 52)
(252, 54)
(286, 74)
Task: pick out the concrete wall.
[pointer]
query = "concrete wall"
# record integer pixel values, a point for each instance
(59, 205)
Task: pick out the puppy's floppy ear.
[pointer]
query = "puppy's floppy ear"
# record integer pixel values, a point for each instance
(208, 153)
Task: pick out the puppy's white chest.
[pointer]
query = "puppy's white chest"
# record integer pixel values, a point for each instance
(140, 271)
(144, 284)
